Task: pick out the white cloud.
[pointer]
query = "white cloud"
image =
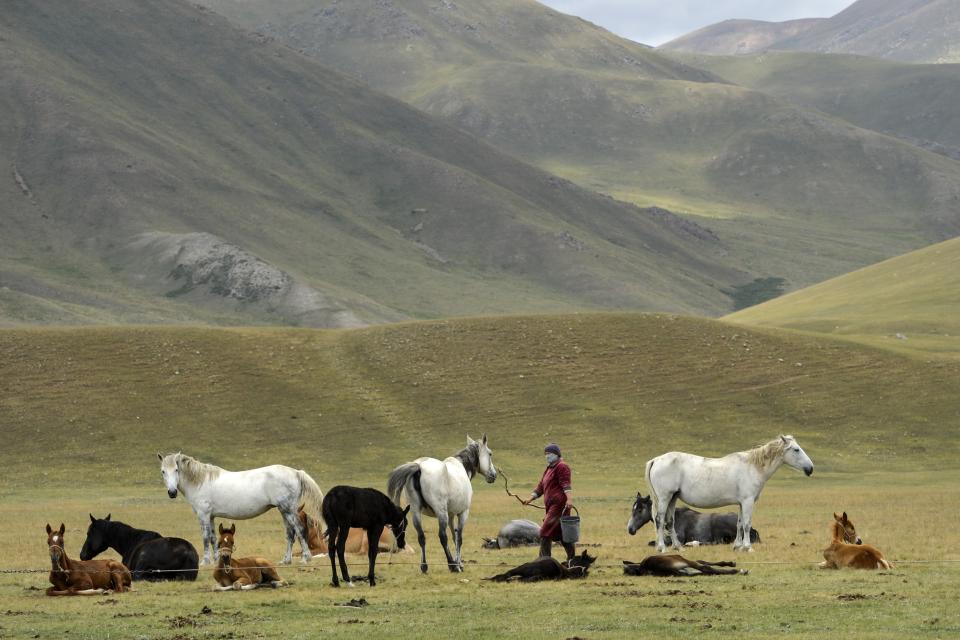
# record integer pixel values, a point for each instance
(655, 22)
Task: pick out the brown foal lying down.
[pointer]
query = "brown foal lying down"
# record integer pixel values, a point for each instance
(842, 554)
(82, 577)
(241, 573)
(676, 565)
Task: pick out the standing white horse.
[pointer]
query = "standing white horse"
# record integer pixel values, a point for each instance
(214, 492)
(737, 478)
(442, 489)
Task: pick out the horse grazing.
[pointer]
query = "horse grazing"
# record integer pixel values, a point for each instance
(345, 507)
(693, 528)
(241, 573)
(215, 492)
(443, 489)
(737, 478)
(676, 565)
(515, 533)
(846, 551)
(147, 554)
(79, 577)
(548, 568)
(356, 540)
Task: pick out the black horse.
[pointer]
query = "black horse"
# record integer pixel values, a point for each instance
(693, 527)
(668, 565)
(147, 554)
(345, 507)
(547, 568)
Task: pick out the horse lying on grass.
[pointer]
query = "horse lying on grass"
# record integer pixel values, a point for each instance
(847, 551)
(147, 554)
(241, 573)
(548, 568)
(693, 527)
(669, 565)
(82, 577)
(515, 533)
(357, 542)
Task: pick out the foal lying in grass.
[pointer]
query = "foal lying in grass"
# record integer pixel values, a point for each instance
(241, 573)
(845, 550)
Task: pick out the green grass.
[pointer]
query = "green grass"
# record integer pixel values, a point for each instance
(908, 303)
(86, 410)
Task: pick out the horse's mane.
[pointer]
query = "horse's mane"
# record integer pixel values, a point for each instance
(766, 454)
(469, 456)
(196, 472)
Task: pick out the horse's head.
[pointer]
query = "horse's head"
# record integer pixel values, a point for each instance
(399, 527)
(583, 560)
(55, 543)
(225, 542)
(96, 542)
(844, 530)
(794, 456)
(485, 458)
(642, 513)
(170, 470)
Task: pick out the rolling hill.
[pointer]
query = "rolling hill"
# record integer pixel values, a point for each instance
(907, 303)
(353, 403)
(915, 102)
(163, 166)
(902, 30)
(621, 119)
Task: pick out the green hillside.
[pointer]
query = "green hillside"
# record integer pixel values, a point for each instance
(915, 102)
(738, 36)
(614, 388)
(164, 166)
(619, 118)
(906, 303)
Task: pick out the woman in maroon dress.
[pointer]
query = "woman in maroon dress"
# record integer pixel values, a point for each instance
(558, 499)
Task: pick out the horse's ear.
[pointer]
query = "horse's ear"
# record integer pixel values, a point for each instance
(484, 439)
(406, 511)
(836, 516)
(92, 519)
(845, 516)
(233, 528)
(470, 440)
(160, 455)
(49, 529)
(220, 525)
(63, 528)
(108, 517)
(783, 438)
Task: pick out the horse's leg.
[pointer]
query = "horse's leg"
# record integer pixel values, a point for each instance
(341, 550)
(332, 534)
(671, 521)
(373, 547)
(458, 536)
(444, 521)
(206, 533)
(293, 530)
(422, 539)
(659, 518)
(742, 543)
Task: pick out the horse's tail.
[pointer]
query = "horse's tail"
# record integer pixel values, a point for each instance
(398, 480)
(311, 497)
(653, 494)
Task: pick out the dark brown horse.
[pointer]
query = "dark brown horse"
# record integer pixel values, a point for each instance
(241, 573)
(547, 568)
(676, 565)
(841, 554)
(82, 577)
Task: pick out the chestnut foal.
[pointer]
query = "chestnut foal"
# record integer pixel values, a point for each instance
(82, 577)
(846, 551)
(241, 573)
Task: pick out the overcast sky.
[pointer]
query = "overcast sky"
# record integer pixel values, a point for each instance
(654, 22)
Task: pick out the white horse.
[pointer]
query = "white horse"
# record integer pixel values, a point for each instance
(214, 492)
(442, 489)
(737, 478)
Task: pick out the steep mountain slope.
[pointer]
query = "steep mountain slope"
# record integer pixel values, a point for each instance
(915, 102)
(909, 303)
(163, 166)
(619, 118)
(902, 30)
(737, 37)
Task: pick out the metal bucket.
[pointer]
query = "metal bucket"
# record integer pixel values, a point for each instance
(570, 527)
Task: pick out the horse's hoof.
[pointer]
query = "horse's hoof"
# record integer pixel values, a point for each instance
(423, 568)
(335, 584)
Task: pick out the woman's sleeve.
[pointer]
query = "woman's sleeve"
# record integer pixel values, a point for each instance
(563, 477)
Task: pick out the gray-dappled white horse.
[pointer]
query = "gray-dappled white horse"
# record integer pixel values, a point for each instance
(214, 492)
(736, 478)
(442, 489)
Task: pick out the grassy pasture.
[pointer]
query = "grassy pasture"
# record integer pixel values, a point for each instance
(85, 410)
